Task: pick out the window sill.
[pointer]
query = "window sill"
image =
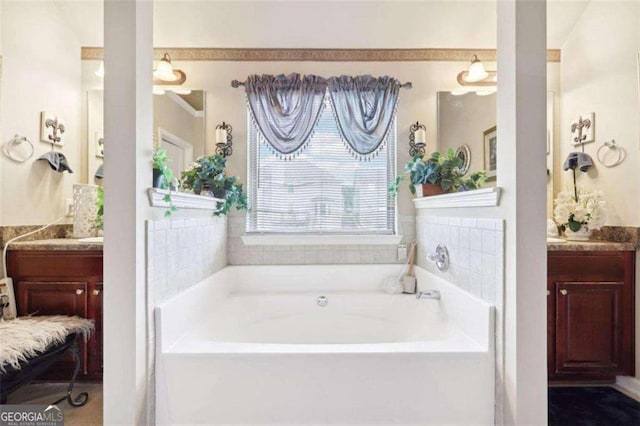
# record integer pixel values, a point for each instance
(182, 200)
(485, 197)
(319, 240)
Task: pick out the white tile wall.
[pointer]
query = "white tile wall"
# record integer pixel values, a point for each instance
(239, 254)
(182, 252)
(476, 251)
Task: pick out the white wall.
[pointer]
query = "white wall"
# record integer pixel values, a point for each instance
(599, 74)
(41, 72)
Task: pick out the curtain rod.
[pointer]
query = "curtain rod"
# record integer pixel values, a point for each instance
(235, 84)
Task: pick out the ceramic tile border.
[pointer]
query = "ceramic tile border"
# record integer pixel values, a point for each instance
(319, 55)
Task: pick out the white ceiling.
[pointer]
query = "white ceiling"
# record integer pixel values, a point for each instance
(309, 23)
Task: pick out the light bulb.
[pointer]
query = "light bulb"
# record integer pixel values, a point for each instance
(476, 71)
(164, 70)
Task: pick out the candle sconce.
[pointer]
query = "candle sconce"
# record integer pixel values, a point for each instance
(224, 140)
(417, 139)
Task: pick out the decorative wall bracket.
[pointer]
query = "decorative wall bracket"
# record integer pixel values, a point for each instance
(583, 129)
(417, 139)
(51, 129)
(224, 139)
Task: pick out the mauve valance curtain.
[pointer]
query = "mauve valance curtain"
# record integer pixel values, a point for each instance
(286, 108)
(364, 107)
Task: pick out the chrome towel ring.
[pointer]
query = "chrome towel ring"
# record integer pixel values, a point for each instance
(18, 140)
(614, 147)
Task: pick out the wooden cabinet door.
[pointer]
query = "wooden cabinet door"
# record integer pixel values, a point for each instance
(52, 298)
(95, 343)
(588, 327)
(56, 298)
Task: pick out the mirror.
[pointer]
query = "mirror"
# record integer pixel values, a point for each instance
(178, 127)
(467, 125)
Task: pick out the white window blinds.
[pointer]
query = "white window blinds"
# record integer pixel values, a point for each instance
(322, 190)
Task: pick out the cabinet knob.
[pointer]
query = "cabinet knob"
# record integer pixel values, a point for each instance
(79, 291)
(548, 293)
(96, 292)
(563, 292)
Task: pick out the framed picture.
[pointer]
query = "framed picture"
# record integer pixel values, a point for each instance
(464, 153)
(491, 152)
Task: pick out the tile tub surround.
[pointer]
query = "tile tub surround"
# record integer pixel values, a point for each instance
(240, 254)
(182, 252)
(476, 251)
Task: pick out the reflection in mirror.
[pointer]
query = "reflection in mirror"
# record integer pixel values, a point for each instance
(178, 123)
(467, 125)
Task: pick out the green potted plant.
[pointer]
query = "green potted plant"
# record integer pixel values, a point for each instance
(98, 223)
(162, 174)
(163, 177)
(207, 175)
(438, 174)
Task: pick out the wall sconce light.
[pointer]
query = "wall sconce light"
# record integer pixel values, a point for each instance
(224, 140)
(476, 79)
(165, 77)
(417, 139)
(166, 74)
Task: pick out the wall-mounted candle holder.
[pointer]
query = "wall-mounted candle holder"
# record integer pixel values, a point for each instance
(417, 139)
(224, 140)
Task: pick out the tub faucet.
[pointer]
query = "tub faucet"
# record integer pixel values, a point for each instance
(428, 294)
(440, 257)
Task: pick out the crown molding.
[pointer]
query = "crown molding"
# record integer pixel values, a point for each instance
(319, 55)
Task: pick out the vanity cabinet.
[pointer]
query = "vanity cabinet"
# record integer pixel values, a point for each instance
(56, 282)
(590, 314)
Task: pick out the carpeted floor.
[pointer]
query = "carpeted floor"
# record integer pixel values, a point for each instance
(592, 406)
(45, 393)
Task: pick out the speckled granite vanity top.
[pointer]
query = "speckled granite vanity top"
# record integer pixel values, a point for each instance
(56, 244)
(609, 238)
(56, 237)
(591, 246)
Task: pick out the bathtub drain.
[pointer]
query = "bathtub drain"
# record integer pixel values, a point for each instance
(322, 301)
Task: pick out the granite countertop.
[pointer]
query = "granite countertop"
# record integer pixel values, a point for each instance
(591, 246)
(56, 244)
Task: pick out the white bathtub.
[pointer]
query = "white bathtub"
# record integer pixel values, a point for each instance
(251, 345)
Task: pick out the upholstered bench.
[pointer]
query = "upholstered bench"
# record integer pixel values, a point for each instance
(30, 345)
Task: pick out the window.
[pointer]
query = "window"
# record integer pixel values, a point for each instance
(322, 190)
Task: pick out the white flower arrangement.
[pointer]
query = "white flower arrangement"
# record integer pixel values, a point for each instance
(588, 210)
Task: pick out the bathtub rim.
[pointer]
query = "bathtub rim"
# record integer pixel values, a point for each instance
(472, 315)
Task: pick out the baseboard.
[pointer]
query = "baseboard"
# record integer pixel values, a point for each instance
(630, 385)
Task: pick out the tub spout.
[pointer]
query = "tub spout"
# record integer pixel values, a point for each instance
(428, 294)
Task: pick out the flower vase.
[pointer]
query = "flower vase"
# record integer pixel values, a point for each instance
(582, 234)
